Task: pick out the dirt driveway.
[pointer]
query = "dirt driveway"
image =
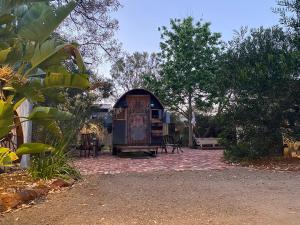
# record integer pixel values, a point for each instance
(230, 196)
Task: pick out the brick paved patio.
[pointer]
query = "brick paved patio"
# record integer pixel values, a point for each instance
(189, 160)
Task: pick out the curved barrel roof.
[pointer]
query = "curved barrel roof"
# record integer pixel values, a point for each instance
(138, 91)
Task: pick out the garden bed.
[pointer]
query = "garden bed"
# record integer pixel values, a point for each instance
(276, 163)
(18, 189)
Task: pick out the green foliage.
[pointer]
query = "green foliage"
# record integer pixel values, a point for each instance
(289, 11)
(206, 126)
(7, 5)
(240, 151)
(49, 55)
(93, 25)
(52, 165)
(259, 92)
(6, 117)
(57, 161)
(37, 61)
(34, 65)
(7, 157)
(49, 113)
(129, 71)
(189, 53)
(40, 20)
(53, 80)
(34, 148)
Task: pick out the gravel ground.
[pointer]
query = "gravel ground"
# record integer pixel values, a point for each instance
(231, 196)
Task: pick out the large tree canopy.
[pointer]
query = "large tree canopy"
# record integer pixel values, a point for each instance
(93, 28)
(262, 90)
(129, 71)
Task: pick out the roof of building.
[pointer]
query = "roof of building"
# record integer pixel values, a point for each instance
(137, 91)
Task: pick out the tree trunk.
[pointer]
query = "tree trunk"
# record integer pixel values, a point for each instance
(190, 121)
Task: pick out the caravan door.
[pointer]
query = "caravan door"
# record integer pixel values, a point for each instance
(138, 132)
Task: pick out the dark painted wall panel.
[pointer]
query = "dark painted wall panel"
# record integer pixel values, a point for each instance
(156, 140)
(119, 132)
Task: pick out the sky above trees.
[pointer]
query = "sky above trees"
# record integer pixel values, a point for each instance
(140, 19)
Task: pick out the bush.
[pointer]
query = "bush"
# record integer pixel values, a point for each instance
(251, 143)
(57, 163)
(241, 151)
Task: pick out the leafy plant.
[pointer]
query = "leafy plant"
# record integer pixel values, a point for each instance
(32, 61)
(56, 162)
(33, 148)
(51, 165)
(7, 157)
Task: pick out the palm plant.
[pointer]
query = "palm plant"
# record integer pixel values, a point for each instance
(32, 61)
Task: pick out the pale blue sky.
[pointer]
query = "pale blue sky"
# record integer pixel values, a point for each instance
(140, 19)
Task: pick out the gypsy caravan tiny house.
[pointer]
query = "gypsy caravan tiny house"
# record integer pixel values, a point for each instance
(137, 122)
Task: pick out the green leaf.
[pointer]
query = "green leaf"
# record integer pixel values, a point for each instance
(18, 103)
(7, 157)
(43, 52)
(49, 113)
(3, 55)
(31, 90)
(66, 80)
(42, 19)
(8, 88)
(50, 53)
(51, 126)
(4, 150)
(47, 117)
(6, 117)
(34, 148)
(13, 156)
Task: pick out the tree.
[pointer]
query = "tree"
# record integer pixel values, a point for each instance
(259, 83)
(129, 71)
(189, 53)
(262, 91)
(289, 11)
(93, 28)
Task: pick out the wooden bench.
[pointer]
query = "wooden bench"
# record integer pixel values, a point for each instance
(207, 143)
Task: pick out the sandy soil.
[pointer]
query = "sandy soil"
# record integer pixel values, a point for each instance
(232, 196)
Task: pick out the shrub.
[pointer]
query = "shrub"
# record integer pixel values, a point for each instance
(251, 143)
(52, 165)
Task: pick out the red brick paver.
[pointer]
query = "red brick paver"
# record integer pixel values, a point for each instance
(189, 160)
